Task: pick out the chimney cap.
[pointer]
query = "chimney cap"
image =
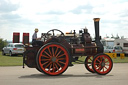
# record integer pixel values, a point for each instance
(96, 19)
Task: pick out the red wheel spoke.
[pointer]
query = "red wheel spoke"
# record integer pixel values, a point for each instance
(45, 56)
(101, 59)
(48, 64)
(56, 67)
(89, 65)
(97, 63)
(61, 62)
(53, 52)
(47, 53)
(45, 63)
(58, 64)
(53, 67)
(45, 60)
(61, 59)
(106, 61)
(56, 50)
(107, 64)
(90, 59)
(98, 60)
(49, 68)
(60, 55)
(105, 67)
(99, 68)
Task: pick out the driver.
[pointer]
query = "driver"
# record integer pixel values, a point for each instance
(36, 41)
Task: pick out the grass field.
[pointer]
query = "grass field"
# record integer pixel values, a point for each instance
(11, 60)
(18, 60)
(115, 60)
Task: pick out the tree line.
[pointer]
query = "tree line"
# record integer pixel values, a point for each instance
(2, 43)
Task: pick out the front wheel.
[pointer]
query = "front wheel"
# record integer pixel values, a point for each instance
(88, 63)
(102, 64)
(53, 59)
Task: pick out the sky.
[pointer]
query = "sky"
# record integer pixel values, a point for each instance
(24, 16)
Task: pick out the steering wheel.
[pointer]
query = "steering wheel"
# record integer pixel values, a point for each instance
(53, 32)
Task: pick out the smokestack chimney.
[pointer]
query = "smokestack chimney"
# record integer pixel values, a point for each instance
(97, 36)
(96, 25)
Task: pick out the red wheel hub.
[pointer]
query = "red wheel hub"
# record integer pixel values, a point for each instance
(53, 59)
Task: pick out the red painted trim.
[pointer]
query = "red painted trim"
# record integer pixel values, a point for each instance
(16, 34)
(25, 35)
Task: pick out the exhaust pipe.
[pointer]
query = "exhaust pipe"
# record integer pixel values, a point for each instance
(96, 23)
(97, 36)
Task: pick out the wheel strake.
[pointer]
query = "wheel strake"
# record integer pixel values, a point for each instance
(53, 59)
(102, 64)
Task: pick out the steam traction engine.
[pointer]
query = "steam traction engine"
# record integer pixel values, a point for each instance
(57, 53)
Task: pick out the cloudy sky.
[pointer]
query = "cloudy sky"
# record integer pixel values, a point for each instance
(26, 15)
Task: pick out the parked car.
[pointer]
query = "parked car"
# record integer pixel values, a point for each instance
(115, 49)
(13, 48)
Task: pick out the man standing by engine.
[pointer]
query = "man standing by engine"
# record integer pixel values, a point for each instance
(35, 40)
(34, 36)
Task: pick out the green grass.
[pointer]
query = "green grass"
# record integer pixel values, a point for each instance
(119, 60)
(18, 60)
(11, 60)
(115, 60)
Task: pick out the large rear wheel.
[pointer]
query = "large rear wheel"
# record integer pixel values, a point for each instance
(102, 64)
(53, 59)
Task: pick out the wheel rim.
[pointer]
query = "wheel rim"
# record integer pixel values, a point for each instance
(53, 59)
(103, 64)
(88, 63)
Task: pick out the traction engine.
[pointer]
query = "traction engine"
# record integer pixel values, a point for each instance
(57, 52)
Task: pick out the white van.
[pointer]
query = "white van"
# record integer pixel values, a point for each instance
(123, 43)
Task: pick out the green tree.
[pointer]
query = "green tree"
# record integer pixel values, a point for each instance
(2, 43)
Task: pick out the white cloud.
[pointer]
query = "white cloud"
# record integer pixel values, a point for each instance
(25, 15)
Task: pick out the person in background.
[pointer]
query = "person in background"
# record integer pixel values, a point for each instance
(36, 41)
